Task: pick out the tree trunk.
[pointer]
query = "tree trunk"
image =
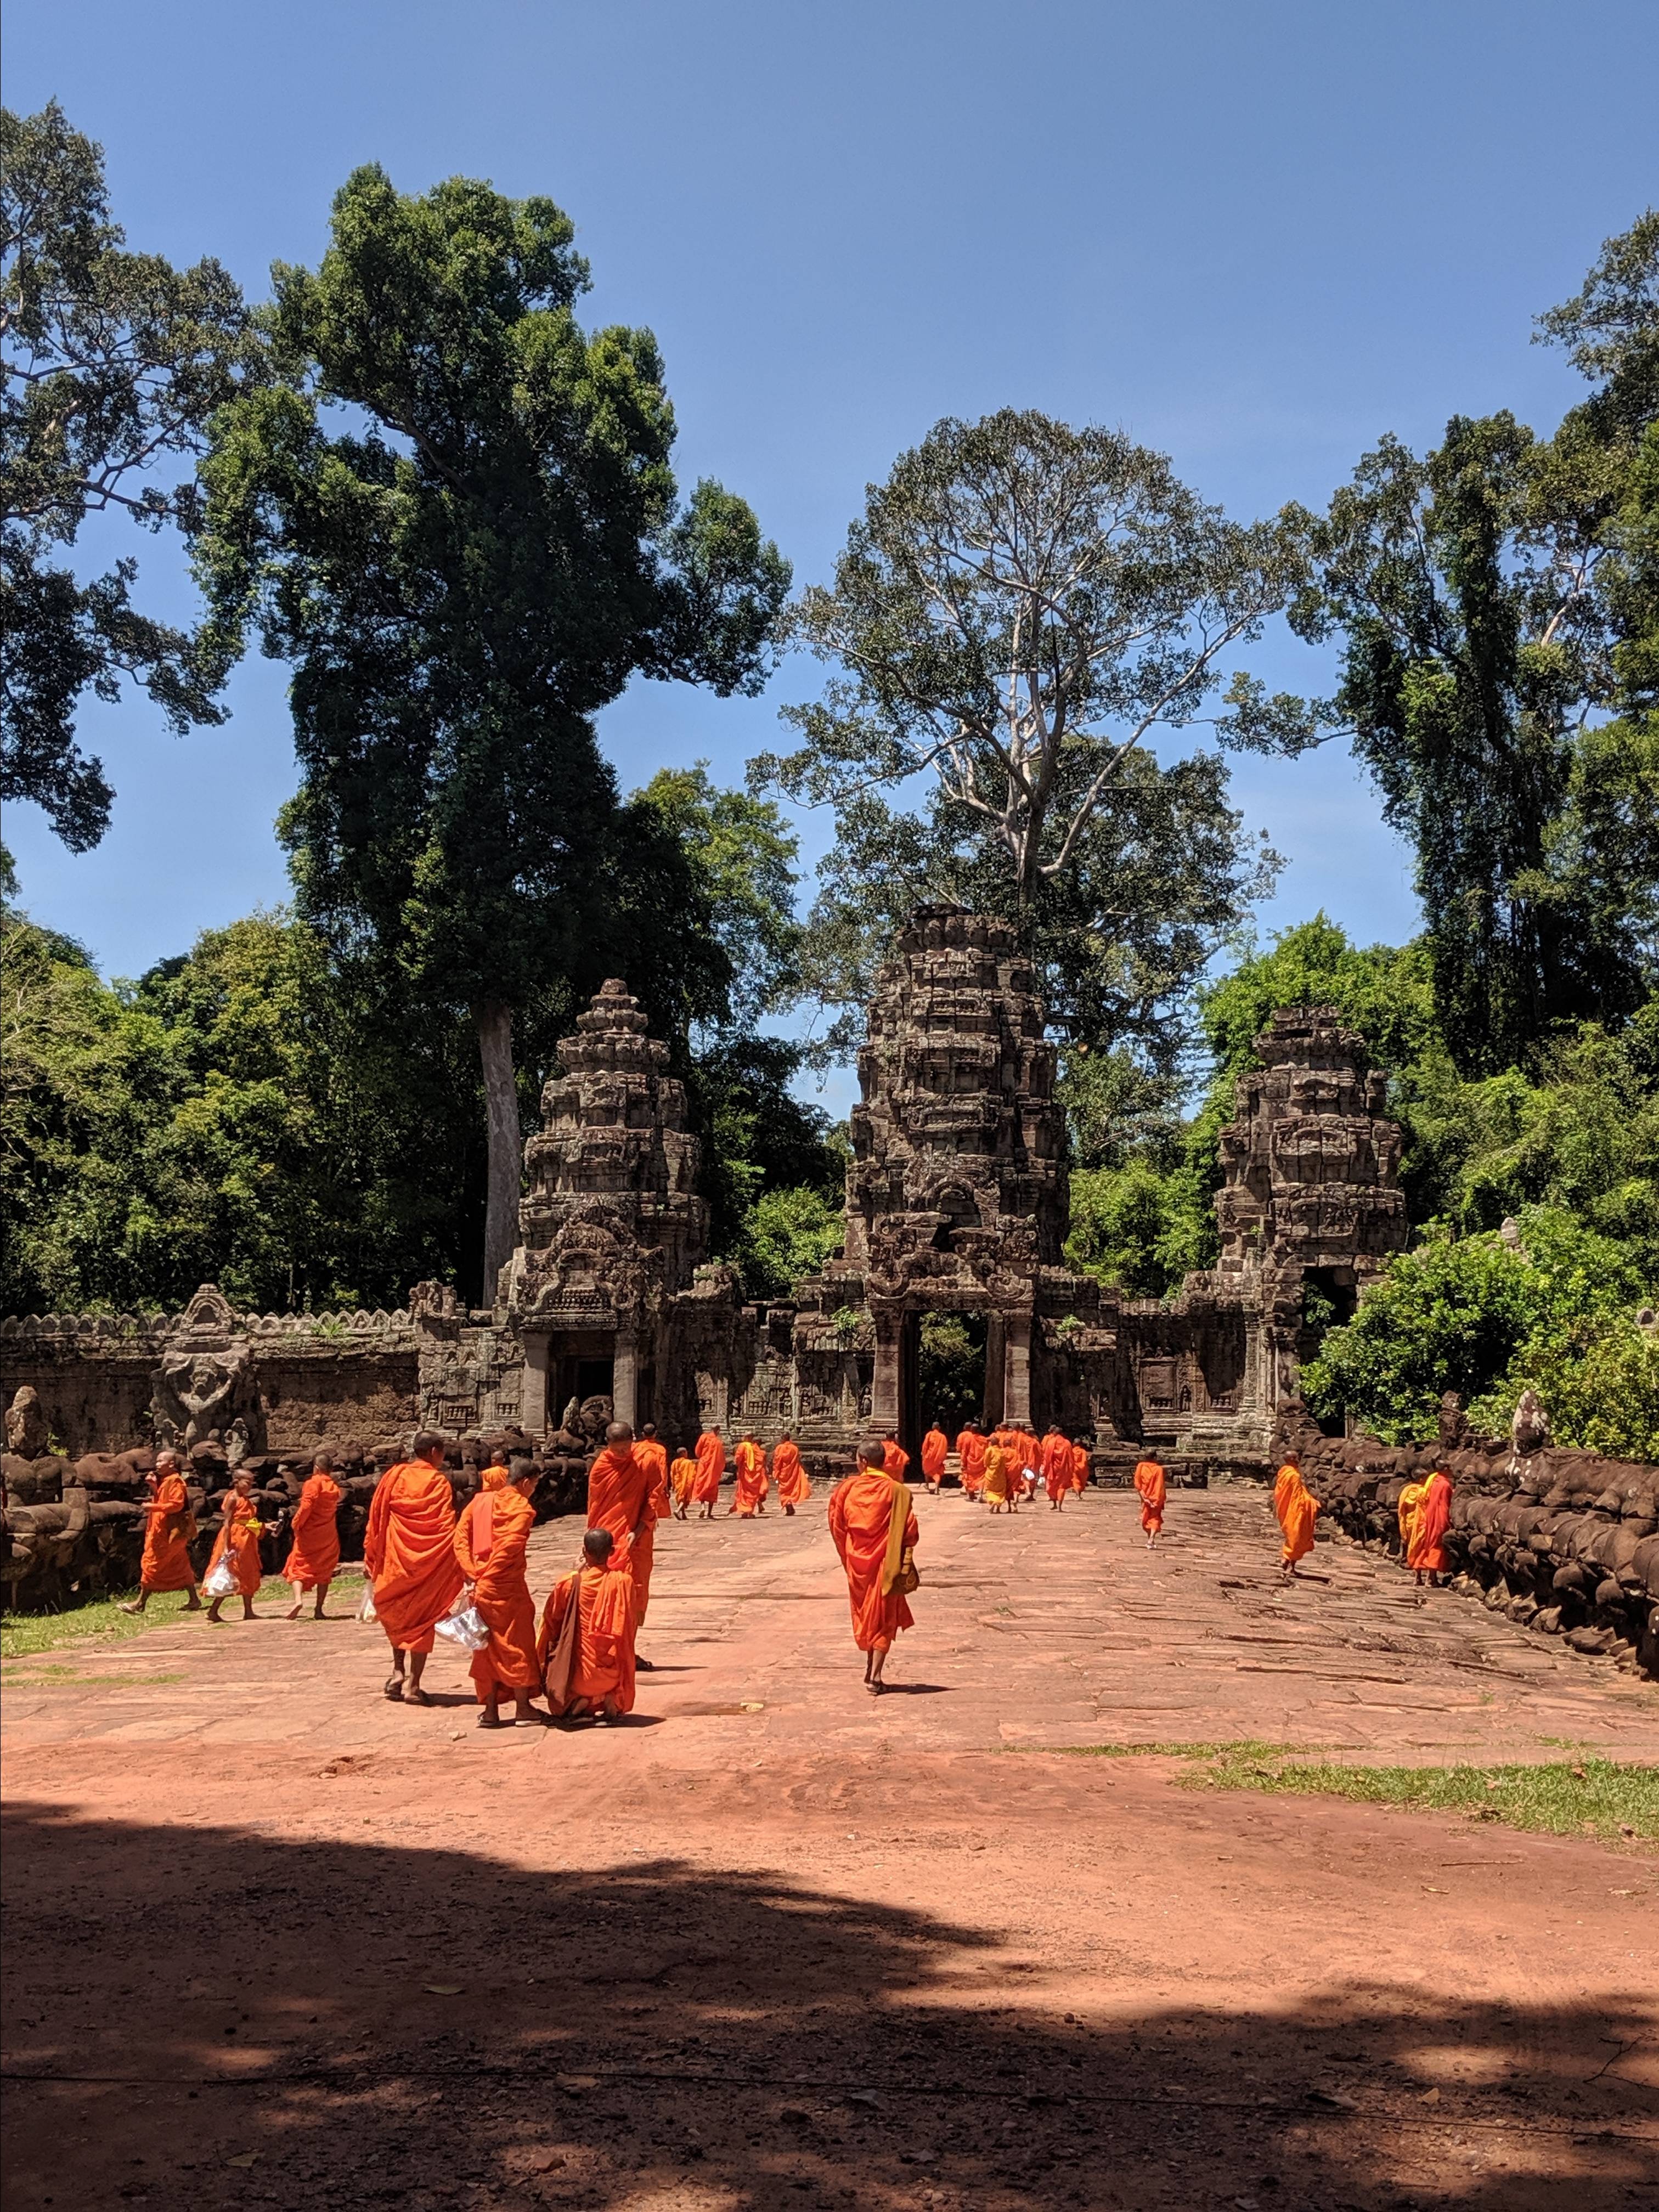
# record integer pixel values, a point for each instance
(505, 1140)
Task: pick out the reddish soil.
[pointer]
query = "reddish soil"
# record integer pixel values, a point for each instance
(775, 1943)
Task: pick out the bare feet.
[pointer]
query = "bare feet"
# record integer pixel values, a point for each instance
(294, 1612)
(415, 1695)
(137, 1605)
(394, 1689)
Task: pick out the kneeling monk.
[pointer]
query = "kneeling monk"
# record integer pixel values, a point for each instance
(586, 1643)
(409, 1554)
(490, 1540)
(875, 1532)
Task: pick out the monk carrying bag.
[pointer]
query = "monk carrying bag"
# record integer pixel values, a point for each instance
(468, 1628)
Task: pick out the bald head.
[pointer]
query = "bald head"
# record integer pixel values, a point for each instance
(598, 1543)
(619, 1433)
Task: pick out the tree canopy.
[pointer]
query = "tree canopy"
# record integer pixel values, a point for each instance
(113, 364)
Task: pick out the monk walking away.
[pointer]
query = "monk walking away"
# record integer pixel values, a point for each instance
(874, 1531)
(1000, 1487)
(749, 1494)
(970, 1457)
(236, 1549)
(683, 1482)
(648, 1447)
(893, 1457)
(1296, 1508)
(169, 1531)
(409, 1554)
(711, 1466)
(1056, 1461)
(314, 1539)
(935, 1450)
(621, 1497)
(1426, 1554)
(789, 1474)
(1151, 1485)
(587, 1642)
(492, 1539)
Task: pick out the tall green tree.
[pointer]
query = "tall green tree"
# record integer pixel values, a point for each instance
(1022, 607)
(455, 516)
(112, 364)
(1485, 595)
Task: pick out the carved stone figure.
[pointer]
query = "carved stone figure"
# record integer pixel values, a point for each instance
(1529, 1425)
(26, 1431)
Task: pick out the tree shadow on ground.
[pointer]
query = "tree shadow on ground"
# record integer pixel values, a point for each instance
(429, 2028)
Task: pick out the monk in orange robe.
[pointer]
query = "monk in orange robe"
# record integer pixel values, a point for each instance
(409, 1554)
(1297, 1508)
(240, 1529)
(794, 1488)
(972, 1443)
(588, 1662)
(1056, 1463)
(874, 1530)
(894, 1458)
(1153, 1486)
(1030, 1457)
(711, 1466)
(648, 1447)
(749, 1498)
(314, 1540)
(490, 1540)
(935, 1448)
(1426, 1556)
(622, 1498)
(169, 1525)
(1001, 1478)
(682, 1482)
(1079, 1466)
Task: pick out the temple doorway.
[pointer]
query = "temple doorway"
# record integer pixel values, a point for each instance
(941, 1374)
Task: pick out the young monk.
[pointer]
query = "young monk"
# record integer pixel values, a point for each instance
(621, 1497)
(682, 1481)
(1427, 1555)
(656, 1456)
(749, 1496)
(1295, 1507)
(490, 1541)
(711, 1466)
(1152, 1485)
(409, 1554)
(1030, 1457)
(587, 1661)
(1079, 1466)
(874, 1530)
(1000, 1477)
(970, 1451)
(239, 1535)
(1056, 1462)
(169, 1525)
(935, 1448)
(314, 1546)
(1406, 1513)
(893, 1457)
(794, 1488)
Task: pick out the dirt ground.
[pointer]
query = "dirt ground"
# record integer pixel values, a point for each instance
(273, 1940)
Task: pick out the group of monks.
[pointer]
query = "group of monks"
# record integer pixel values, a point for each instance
(694, 1478)
(1008, 1467)
(1425, 1513)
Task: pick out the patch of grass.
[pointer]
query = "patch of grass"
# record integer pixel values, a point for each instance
(1601, 1797)
(1243, 1747)
(27, 1635)
(26, 1673)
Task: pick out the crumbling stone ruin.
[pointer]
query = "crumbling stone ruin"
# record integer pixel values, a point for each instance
(956, 1204)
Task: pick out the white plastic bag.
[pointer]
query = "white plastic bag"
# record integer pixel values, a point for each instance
(366, 1610)
(468, 1628)
(221, 1577)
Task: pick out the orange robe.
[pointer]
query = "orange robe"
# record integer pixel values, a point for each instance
(683, 1475)
(794, 1488)
(894, 1459)
(490, 1541)
(1079, 1468)
(998, 1468)
(861, 1510)
(1427, 1552)
(240, 1530)
(655, 1456)
(604, 1665)
(711, 1466)
(752, 1484)
(970, 1450)
(166, 1563)
(934, 1448)
(314, 1551)
(1153, 1486)
(1055, 1455)
(1296, 1506)
(409, 1549)
(622, 1498)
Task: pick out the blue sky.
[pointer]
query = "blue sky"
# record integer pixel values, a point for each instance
(1256, 237)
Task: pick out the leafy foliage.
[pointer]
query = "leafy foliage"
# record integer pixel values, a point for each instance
(114, 363)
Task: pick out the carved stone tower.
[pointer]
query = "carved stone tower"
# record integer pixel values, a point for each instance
(610, 1226)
